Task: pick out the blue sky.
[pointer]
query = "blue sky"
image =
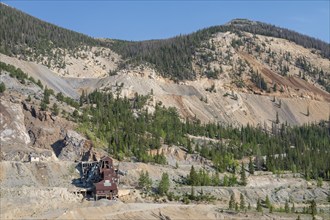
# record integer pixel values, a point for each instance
(142, 20)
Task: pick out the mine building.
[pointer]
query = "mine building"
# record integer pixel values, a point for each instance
(33, 157)
(101, 178)
(107, 187)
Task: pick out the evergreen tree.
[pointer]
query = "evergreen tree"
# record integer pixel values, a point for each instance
(242, 202)
(55, 109)
(40, 84)
(232, 201)
(236, 206)
(277, 121)
(313, 208)
(319, 182)
(2, 87)
(251, 166)
(225, 181)
(286, 207)
(145, 181)
(60, 96)
(47, 93)
(192, 193)
(215, 179)
(193, 177)
(259, 208)
(164, 184)
(43, 106)
(267, 202)
(271, 209)
(82, 98)
(189, 148)
(243, 175)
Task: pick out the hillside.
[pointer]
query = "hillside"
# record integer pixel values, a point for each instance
(229, 122)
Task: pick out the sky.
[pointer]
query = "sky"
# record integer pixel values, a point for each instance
(144, 20)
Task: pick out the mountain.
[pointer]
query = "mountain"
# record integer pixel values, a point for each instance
(235, 112)
(214, 74)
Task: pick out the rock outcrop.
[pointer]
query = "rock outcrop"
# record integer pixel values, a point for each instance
(12, 128)
(76, 148)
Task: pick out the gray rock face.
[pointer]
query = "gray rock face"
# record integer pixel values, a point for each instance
(75, 147)
(13, 84)
(12, 128)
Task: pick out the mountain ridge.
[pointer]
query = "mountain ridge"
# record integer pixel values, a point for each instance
(233, 22)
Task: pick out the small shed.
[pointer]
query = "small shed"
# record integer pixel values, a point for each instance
(34, 157)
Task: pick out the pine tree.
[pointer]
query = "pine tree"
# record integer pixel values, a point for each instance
(319, 182)
(236, 206)
(193, 177)
(43, 106)
(251, 166)
(2, 87)
(189, 148)
(232, 201)
(259, 208)
(55, 109)
(40, 84)
(243, 175)
(145, 181)
(164, 184)
(46, 95)
(267, 202)
(192, 193)
(313, 208)
(242, 202)
(286, 207)
(225, 181)
(277, 121)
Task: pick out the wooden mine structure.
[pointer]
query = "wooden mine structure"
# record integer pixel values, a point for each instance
(101, 177)
(107, 187)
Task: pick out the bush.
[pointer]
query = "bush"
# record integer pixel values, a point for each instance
(55, 109)
(2, 87)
